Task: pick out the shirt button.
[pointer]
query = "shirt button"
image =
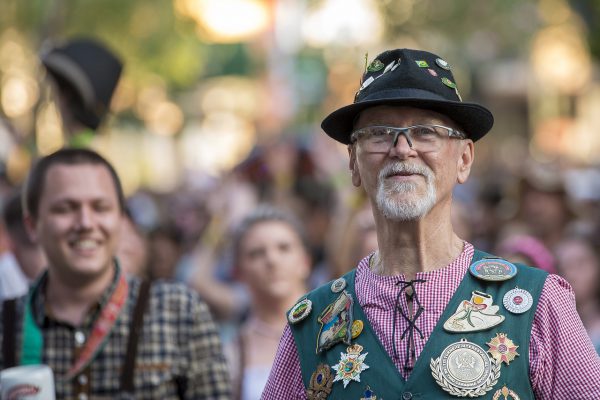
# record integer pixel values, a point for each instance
(82, 379)
(406, 396)
(79, 338)
(82, 396)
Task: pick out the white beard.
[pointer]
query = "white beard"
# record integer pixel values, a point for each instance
(407, 209)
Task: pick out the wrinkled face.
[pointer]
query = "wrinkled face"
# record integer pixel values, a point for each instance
(272, 260)
(78, 220)
(406, 184)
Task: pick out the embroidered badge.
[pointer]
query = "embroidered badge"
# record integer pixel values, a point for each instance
(336, 322)
(320, 383)
(369, 395)
(357, 328)
(443, 64)
(422, 63)
(432, 72)
(464, 369)
(351, 365)
(477, 314)
(517, 301)
(300, 311)
(493, 269)
(505, 393)
(338, 285)
(502, 349)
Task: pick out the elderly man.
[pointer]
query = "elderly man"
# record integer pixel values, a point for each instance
(427, 316)
(104, 334)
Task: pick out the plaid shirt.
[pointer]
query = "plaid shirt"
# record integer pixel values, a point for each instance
(563, 363)
(179, 346)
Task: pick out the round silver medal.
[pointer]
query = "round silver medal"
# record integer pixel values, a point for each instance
(517, 301)
(338, 285)
(465, 369)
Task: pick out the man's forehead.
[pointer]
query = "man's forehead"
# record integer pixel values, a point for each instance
(401, 114)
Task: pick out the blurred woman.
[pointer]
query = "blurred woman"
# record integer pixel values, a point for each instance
(579, 263)
(272, 260)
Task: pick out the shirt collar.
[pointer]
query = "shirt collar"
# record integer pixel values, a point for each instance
(42, 315)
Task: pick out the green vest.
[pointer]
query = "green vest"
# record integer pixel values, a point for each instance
(383, 378)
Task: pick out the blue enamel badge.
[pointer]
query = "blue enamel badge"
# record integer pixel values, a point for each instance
(336, 322)
(493, 269)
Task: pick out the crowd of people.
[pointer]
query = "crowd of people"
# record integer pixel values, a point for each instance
(246, 247)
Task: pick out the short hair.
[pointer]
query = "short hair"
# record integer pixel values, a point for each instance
(267, 213)
(13, 220)
(34, 186)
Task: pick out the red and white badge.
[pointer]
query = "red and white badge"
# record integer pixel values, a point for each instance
(517, 301)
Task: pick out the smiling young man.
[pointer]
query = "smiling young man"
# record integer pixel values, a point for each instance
(427, 316)
(105, 334)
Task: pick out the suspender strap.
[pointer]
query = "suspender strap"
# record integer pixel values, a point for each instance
(9, 333)
(134, 333)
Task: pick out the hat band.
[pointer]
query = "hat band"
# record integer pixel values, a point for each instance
(410, 94)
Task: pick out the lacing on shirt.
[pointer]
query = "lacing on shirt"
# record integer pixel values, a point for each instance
(412, 327)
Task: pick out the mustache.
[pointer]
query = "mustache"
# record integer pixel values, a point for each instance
(405, 168)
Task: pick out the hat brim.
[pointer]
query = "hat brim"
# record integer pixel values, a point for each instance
(474, 119)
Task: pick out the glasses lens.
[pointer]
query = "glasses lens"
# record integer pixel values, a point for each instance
(425, 138)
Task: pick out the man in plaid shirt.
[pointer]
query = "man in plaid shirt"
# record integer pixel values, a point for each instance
(78, 316)
(427, 316)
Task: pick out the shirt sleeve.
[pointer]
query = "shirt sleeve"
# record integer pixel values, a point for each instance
(207, 375)
(285, 380)
(563, 362)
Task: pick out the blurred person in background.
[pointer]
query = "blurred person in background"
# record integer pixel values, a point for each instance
(353, 236)
(526, 249)
(271, 258)
(165, 250)
(132, 251)
(29, 254)
(578, 262)
(544, 204)
(414, 319)
(13, 282)
(104, 333)
(84, 74)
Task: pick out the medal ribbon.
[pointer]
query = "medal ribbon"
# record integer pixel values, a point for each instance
(32, 344)
(101, 329)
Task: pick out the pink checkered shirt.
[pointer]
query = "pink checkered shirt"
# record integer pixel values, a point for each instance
(564, 364)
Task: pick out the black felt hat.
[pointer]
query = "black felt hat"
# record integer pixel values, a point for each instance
(413, 78)
(88, 70)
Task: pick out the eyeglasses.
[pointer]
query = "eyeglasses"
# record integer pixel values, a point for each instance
(422, 138)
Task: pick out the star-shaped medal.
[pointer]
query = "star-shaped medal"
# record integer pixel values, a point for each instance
(502, 348)
(351, 365)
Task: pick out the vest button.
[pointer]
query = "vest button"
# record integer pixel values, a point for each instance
(407, 396)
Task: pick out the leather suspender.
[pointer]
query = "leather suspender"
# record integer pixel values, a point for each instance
(9, 339)
(135, 330)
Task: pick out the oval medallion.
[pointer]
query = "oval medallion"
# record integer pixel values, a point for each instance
(338, 285)
(493, 269)
(517, 301)
(300, 311)
(464, 369)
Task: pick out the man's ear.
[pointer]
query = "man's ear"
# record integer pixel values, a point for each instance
(29, 223)
(465, 161)
(356, 181)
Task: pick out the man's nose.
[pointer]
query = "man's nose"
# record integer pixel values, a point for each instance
(85, 218)
(402, 145)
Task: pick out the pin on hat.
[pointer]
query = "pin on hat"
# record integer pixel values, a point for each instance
(396, 78)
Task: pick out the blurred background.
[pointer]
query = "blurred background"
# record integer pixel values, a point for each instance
(219, 105)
